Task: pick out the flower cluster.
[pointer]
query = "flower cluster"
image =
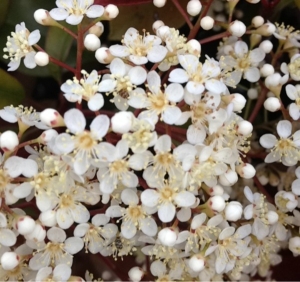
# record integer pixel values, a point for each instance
(169, 175)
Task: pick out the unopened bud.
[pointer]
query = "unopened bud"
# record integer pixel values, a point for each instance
(266, 29)
(51, 118)
(237, 28)
(252, 93)
(245, 127)
(41, 59)
(217, 203)
(266, 70)
(48, 135)
(9, 260)
(122, 122)
(216, 190)
(135, 274)
(238, 101)
(43, 17)
(207, 23)
(194, 7)
(111, 11)
(258, 21)
(97, 29)
(266, 46)
(9, 140)
(156, 25)
(92, 42)
(228, 178)
(233, 211)
(246, 170)
(272, 217)
(38, 234)
(103, 55)
(24, 225)
(196, 263)
(194, 47)
(272, 104)
(167, 236)
(159, 3)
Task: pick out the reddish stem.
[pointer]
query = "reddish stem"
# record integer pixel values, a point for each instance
(214, 37)
(183, 13)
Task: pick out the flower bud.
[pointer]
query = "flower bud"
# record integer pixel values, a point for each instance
(245, 127)
(246, 170)
(92, 42)
(217, 203)
(194, 47)
(238, 101)
(237, 28)
(272, 104)
(103, 55)
(8, 141)
(111, 11)
(196, 263)
(135, 274)
(253, 1)
(167, 236)
(122, 122)
(159, 3)
(252, 93)
(193, 7)
(97, 29)
(9, 260)
(266, 29)
(41, 59)
(233, 211)
(207, 23)
(51, 118)
(48, 135)
(266, 46)
(258, 21)
(266, 70)
(216, 190)
(228, 178)
(156, 25)
(294, 245)
(272, 217)
(38, 234)
(43, 17)
(24, 225)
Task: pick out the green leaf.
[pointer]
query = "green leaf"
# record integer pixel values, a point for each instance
(11, 91)
(58, 44)
(4, 4)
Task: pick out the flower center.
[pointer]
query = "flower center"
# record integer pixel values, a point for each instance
(85, 141)
(66, 200)
(134, 213)
(294, 67)
(118, 167)
(40, 181)
(158, 102)
(243, 63)
(167, 194)
(4, 180)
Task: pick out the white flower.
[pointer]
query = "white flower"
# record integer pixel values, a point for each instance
(58, 250)
(122, 82)
(293, 92)
(139, 49)
(294, 245)
(60, 273)
(85, 143)
(73, 11)
(19, 45)
(7, 237)
(86, 88)
(194, 73)
(286, 149)
(286, 201)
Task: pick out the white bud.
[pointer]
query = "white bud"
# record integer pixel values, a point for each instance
(111, 11)
(135, 274)
(25, 225)
(228, 178)
(48, 135)
(41, 59)
(9, 140)
(9, 260)
(51, 117)
(92, 42)
(41, 16)
(239, 102)
(252, 93)
(294, 245)
(163, 31)
(97, 29)
(266, 46)
(266, 70)
(38, 234)
(207, 23)
(237, 28)
(233, 211)
(159, 3)
(196, 263)
(194, 47)
(156, 25)
(272, 104)
(216, 190)
(48, 218)
(266, 29)
(103, 55)
(246, 170)
(245, 127)
(258, 21)
(272, 217)
(217, 203)
(194, 7)
(167, 236)
(122, 122)
(253, 1)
